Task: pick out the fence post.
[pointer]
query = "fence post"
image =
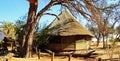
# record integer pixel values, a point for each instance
(52, 56)
(69, 57)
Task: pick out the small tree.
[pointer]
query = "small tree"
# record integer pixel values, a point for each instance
(19, 26)
(118, 33)
(107, 22)
(8, 29)
(111, 49)
(41, 38)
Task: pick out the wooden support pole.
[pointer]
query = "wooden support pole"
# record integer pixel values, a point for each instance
(52, 56)
(99, 59)
(69, 57)
(6, 59)
(38, 54)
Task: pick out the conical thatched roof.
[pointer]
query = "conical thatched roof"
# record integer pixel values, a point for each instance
(67, 25)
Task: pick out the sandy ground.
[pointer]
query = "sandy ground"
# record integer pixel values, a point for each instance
(99, 53)
(46, 58)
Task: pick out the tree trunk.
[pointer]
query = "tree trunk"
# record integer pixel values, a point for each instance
(106, 42)
(26, 46)
(32, 20)
(98, 41)
(103, 42)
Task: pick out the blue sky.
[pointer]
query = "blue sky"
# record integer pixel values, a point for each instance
(11, 10)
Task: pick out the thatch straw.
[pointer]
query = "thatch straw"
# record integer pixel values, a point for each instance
(67, 25)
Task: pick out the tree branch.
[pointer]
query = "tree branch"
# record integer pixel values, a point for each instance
(78, 10)
(40, 13)
(52, 15)
(112, 6)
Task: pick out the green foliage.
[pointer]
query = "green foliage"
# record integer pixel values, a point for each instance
(1, 44)
(19, 30)
(41, 38)
(118, 29)
(19, 26)
(113, 42)
(111, 48)
(8, 29)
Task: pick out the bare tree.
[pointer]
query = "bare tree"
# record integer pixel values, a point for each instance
(94, 29)
(83, 7)
(108, 20)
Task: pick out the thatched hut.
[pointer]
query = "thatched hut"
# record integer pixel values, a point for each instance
(68, 34)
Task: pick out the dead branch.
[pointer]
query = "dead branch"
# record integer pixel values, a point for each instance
(51, 15)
